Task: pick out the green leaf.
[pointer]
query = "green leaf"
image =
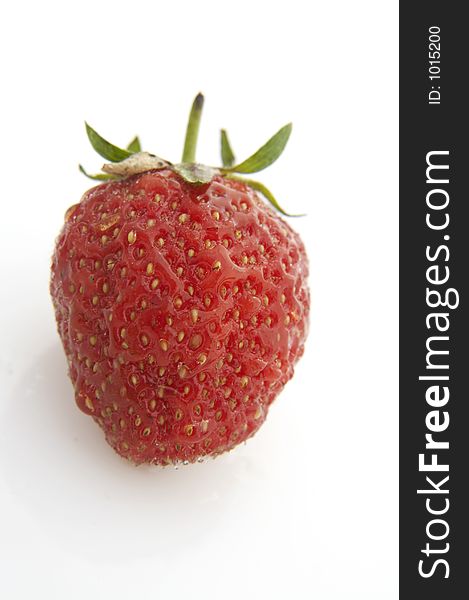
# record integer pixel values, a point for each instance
(227, 155)
(195, 173)
(266, 155)
(105, 148)
(135, 145)
(97, 176)
(260, 187)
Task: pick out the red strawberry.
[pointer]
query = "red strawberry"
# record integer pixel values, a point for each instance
(181, 300)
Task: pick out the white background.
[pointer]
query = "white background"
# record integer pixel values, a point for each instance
(308, 508)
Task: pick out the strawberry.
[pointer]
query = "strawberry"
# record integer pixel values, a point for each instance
(181, 300)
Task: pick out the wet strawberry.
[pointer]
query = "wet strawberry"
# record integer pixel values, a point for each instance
(181, 301)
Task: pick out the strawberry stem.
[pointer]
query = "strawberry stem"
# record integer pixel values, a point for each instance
(192, 131)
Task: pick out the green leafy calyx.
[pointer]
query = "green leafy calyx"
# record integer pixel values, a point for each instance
(131, 160)
(105, 148)
(227, 155)
(266, 155)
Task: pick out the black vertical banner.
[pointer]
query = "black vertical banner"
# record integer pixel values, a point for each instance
(434, 271)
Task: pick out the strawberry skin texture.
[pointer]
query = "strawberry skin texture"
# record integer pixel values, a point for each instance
(182, 310)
